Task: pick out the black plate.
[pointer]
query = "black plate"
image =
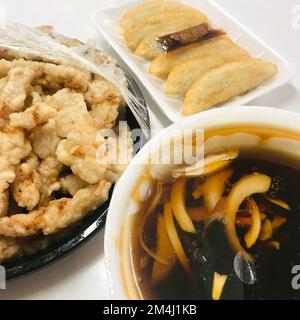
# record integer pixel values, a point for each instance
(83, 231)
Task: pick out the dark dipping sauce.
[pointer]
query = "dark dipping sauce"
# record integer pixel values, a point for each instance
(209, 251)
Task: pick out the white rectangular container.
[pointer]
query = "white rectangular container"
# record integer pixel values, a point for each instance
(106, 20)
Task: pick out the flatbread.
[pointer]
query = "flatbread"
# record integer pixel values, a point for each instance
(163, 64)
(149, 9)
(182, 77)
(162, 23)
(226, 82)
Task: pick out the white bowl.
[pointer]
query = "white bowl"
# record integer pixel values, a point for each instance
(122, 286)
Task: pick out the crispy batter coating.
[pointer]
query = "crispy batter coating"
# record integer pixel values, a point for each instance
(79, 147)
(44, 139)
(32, 117)
(13, 148)
(71, 184)
(104, 100)
(50, 116)
(57, 77)
(4, 203)
(27, 184)
(49, 171)
(14, 92)
(57, 215)
(37, 95)
(49, 75)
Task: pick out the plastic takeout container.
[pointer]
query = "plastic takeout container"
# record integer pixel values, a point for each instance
(106, 20)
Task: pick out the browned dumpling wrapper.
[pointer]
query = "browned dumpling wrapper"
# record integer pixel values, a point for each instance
(226, 82)
(163, 64)
(182, 77)
(150, 9)
(161, 24)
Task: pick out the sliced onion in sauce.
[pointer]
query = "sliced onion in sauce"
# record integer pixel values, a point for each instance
(165, 250)
(174, 238)
(153, 201)
(178, 206)
(219, 282)
(214, 187)
(198, 192)
(253, 233)
(266, 231)
(209, 165)
(280, 203)
(244, 188)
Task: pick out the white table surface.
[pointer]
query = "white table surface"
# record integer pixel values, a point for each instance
(82, 274)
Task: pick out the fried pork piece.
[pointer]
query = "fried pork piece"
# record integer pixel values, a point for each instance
(44, 139)
(4, 203)
(37, 95)
(49, 171)
(58, 76)
(14, 93)
(12, 248)
(3, 82)
(7, 173)
(57, 215)
(13, 148)
(32, 117)
(14, 145)
(49, 75)
(79, 147)
(104, 99)
(120, 153)
(27, 184)
(71, 184)
(5, 66)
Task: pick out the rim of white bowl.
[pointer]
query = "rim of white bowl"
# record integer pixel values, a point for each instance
(243, 115)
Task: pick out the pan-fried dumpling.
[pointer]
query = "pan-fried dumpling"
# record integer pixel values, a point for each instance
(149, 9)
(226, 82)
(149, 48)
(162, 23)
(182, 77)
(146, 10)
(163, 64)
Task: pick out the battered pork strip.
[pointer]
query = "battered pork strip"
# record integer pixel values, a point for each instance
(49, 75)
(13, 248)
(57, 215)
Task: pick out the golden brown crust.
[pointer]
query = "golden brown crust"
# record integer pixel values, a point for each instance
(230, 80)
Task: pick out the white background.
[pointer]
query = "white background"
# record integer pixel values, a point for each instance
(277, 22)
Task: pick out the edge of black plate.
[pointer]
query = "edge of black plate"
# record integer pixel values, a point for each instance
(87, 228)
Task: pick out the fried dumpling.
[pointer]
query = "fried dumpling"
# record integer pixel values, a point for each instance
(151, 47)
(163, 64)
(226, 82)
(182, 77)
(149, 9)
(162, 23)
